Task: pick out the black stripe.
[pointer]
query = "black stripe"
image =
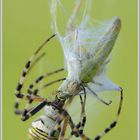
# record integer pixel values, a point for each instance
(24, 116)
(43, 44)
(29, 91)
(35, 91)
(35, 136)
(30, 101)
(23, 73)
(119, 111)
(16, 105)
(40, 106)
(97, 138)
(19, 86)
(31, 86)
(75, 133)
(29, 98)
(84, 121)
(78, 125)
(19, 95)
(28, 64)
(25, 112)
(113, 124)
(52, 133)
(107, 130)
(41, 132)
(39, 79)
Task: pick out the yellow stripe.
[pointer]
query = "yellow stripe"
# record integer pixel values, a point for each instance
(38, 134)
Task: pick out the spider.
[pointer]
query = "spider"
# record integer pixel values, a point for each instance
(57, 106)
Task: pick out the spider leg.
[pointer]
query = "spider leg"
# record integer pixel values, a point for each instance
(83, 114)
(114, 123)
(34, 110)
(82, 122)
(26, 69)
(25, 97)
(63, 129)
(46, 85)
(34, 97)
(78, 130)
(97, 97)
(38, 58)
(40, 78)
(65, 115)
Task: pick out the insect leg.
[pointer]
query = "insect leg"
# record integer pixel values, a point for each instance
(97, 97)
(114, 123)
(70, 24)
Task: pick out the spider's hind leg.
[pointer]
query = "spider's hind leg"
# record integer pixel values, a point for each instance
(114, 123)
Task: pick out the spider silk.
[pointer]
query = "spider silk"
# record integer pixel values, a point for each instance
(87, 46)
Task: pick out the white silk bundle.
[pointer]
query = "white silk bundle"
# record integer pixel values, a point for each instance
(87, 46)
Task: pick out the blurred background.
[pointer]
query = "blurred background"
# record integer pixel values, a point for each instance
(26, 24)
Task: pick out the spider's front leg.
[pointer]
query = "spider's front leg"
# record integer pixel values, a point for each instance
(28, 114)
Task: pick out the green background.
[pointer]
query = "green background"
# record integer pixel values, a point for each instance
(26, 24)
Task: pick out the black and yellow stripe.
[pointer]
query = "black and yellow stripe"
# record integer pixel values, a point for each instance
(37, 134)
